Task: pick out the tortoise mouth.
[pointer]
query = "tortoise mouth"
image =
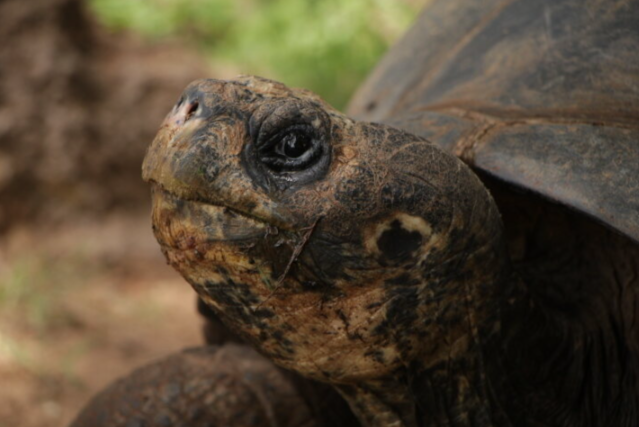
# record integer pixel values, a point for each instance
(179, 221)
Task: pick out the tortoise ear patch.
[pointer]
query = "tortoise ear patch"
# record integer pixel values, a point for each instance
(398, 238)
(397, 243)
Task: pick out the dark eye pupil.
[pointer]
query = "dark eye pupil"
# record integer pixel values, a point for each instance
(295, 145)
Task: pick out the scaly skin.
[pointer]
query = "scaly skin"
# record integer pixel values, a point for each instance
(378, 266)
(200, 387)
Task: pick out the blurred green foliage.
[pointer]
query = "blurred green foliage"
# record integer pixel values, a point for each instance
(327, 46)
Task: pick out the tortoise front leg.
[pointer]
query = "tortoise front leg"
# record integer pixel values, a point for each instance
(201, 387)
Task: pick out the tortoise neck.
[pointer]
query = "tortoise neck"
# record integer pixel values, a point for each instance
(450, 385)
(545, 366)
(383, 402)
(458, 390)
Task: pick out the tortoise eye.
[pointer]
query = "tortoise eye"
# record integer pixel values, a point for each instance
(294, 145)
(295, 149)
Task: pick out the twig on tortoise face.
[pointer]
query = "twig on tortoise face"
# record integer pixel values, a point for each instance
(298, 249)
(308, 231)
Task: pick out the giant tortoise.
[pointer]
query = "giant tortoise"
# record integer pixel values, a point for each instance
(465, 253)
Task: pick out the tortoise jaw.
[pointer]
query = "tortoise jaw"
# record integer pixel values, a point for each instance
(252, 212)
(183, 223)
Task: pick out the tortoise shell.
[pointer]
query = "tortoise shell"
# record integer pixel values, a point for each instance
(543, 95)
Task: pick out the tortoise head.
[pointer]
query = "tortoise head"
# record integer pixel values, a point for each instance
(342, 250)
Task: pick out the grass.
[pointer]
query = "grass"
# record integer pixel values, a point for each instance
(15, 352)
(33, 293)
(326, 46)
(35, 286)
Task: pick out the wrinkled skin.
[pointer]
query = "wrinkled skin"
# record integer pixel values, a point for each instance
(365, 266)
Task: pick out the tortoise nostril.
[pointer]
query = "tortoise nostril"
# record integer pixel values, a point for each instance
(192, 109)
(179, 104)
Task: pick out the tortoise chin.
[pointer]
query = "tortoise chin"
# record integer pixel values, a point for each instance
(203, 240)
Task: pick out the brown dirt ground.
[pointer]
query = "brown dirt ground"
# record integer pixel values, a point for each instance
(81, 306)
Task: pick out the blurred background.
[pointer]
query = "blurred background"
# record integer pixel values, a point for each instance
(85, 295)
